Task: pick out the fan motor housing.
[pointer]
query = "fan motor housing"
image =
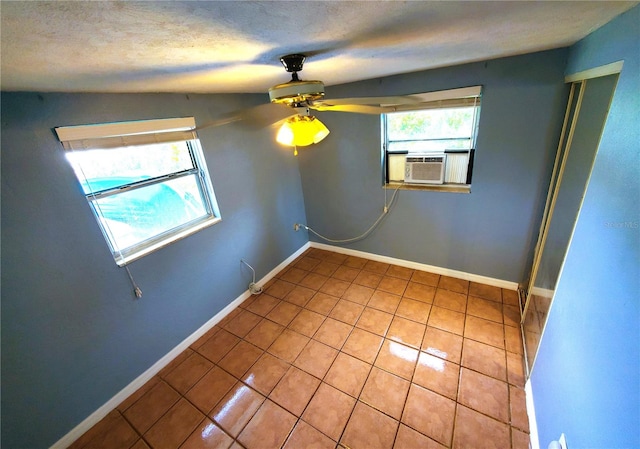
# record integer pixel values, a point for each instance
(296, 92)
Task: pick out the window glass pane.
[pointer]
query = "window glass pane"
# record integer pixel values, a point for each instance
(134, 216)
(103, 169)
(430, 124)
(426, 146)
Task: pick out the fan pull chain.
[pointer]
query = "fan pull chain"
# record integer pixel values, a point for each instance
(295, 150)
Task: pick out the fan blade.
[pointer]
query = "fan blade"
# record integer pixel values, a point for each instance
(259, 116)
(373, 101)
(357, 108)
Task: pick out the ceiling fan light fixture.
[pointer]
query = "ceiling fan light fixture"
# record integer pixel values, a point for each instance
(301, 131)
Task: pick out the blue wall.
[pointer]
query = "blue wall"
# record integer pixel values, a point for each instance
(586, 380)
(73, 335)
(488, 232)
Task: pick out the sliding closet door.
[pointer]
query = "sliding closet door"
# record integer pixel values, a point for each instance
(587, 111)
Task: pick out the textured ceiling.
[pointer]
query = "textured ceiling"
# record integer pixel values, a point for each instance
(218, 46)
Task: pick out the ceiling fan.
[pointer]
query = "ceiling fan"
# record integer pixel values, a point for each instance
(292, 102)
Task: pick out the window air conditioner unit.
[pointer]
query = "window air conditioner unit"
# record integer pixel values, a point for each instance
(425, 168)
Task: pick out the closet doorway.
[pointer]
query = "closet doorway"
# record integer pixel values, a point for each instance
(587, 109)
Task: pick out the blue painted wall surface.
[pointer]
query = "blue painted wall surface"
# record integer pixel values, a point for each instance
(488, 232)
(72, 333)
(586, 380)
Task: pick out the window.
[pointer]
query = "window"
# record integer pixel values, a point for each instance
(432, 142)
(146, 182)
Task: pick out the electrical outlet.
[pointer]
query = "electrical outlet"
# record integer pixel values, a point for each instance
(296, 227)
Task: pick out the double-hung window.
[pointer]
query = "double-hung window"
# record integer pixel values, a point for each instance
(432, 142)
(146, 182)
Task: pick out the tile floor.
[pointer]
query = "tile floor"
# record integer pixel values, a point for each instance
(340, 352)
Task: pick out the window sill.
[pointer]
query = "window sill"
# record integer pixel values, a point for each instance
(451, 188)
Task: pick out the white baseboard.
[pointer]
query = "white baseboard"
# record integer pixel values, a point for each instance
(531, 413)
(127, 391)
(420, 266)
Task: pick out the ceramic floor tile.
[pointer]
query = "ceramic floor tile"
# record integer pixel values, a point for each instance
(263, 304)
(185, 375)
(363, 345)
(174, 427)
(450, 300)
(407, 438)
(211, 389)
(469, 424)
(235, 410)
(294, 275)
(333, 333)
(355, 262)
(335, 287)
(447, 320)
(322, 303)
(397, 359)
(519, 439)
(515, 369)
(424, 277)
(406, 332)
(151, 406)
(485, 291)
(325, 268)
(240, 358)
(511, 315)
(484, 331)
(352, 345)
(207, 436)
(385, 392)
(414, 310)
(518, 409)
(300, 296)
(393, 285)
(307, 263)
(347, 274)
(112, 431)
(484, 358)
(284, 313)
(430, 414)
(454, 284)
(218, 345)
(265, 373)
(368, 279)
(437, 375)
(385, 301)
(375, 321)
(329, 411)
(269, 427)
(513, 339)
(376, 267)
(307, 322)
(295, 390)
(305, 436)
(368, 428)
(348, 374)
(242, 323)
(316, 358)
(358, 293)
(265, 333)
(485, 308)
(347, 311)
(443, 344)
(288, 345)
(484, 394)
(400, 272)
(313, 281)
(420, 292)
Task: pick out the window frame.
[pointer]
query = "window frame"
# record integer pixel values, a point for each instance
(443, 99)
(138, 133)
